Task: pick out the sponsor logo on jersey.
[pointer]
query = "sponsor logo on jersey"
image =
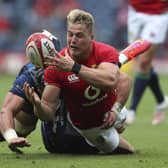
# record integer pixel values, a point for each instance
(72, 78)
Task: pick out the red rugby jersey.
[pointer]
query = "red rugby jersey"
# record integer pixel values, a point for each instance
(85, 103)
(150, 6)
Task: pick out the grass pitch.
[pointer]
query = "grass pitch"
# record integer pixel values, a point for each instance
(150, 141)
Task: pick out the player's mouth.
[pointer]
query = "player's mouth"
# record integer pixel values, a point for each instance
(73, 47)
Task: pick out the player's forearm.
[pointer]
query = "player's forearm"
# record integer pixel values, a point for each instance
(123, 88)
(99, 77)
(7, 125)
(44, 112)
(6, 119)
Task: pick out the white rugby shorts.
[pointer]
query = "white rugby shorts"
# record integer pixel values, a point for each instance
(105, 140)
(147, 26)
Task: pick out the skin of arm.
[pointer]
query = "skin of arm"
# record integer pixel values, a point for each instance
(48, 106)
(12, 104)
(105, 76)
(123, 88)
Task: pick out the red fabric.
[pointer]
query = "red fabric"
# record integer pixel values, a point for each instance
(86, 111)
(49, 7)
(44, 7)
(5, 24)
(150, 6)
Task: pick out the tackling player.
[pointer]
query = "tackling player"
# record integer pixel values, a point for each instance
(17, 119)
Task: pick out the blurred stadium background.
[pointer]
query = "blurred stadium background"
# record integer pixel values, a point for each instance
(18, 19)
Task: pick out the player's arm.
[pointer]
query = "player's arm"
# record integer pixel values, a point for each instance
(105, 76)
(12, 104)
(45, 107)
(123, 88)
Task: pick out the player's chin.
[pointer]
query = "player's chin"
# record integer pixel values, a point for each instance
(74, 51)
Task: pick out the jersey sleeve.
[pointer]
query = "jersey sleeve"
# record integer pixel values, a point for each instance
(51, 77)
(109, 54)
(17, 87)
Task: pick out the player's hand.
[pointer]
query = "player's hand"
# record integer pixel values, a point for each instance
(31, 95)
(17, 143)
(60, 62)
(109, 120)
(121, 129)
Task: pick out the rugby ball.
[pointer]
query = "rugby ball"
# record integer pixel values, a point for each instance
(38, 46)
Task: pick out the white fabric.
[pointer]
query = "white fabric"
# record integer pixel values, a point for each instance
(9, 134)
(105, 140)
(121, 118)
(146, 26)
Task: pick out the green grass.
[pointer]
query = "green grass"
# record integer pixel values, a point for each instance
(150, 141)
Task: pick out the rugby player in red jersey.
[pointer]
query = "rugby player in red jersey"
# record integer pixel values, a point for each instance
(94, 89)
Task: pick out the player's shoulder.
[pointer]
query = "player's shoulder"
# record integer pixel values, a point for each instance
(104, 51)
(25, 74)
(27, 68)
(103, 47)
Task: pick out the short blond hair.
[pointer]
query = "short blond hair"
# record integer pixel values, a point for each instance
(77, 16)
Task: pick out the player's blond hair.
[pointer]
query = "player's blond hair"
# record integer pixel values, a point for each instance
(77, 16)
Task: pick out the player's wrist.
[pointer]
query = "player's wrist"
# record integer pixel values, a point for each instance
(10, 134)
(76, 68)
(117, 107)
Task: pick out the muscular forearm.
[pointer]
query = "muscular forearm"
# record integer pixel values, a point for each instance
(123, 88)
(6, 120)
(44, 112)
(7, 125)
(103, 78)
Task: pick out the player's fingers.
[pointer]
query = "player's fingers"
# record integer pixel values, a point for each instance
(108, 120)
(22, 142)
(29, 92)
(19, 142)
(66, 53)
(15, 149)
(51, 61)
(56, 53)
(106, 115)
(25, 88)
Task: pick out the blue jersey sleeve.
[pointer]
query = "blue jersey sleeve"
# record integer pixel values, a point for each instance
(17, 88)
(21, 78)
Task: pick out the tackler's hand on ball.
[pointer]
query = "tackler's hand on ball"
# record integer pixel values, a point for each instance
(31, 95)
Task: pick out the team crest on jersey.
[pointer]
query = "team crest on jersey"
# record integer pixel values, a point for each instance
(72, 78)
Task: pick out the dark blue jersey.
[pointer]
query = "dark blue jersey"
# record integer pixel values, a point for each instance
(30, 74)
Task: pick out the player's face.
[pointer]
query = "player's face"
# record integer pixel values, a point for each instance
(79, 41)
